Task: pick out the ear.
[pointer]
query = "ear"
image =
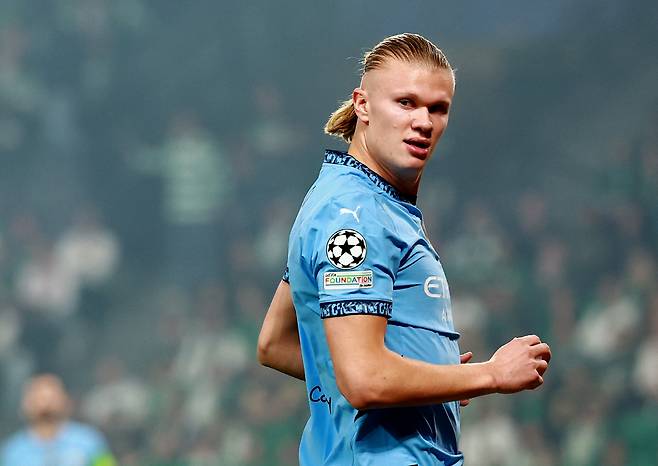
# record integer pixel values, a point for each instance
(360, 101)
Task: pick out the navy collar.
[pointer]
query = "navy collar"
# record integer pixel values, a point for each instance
(343, 158)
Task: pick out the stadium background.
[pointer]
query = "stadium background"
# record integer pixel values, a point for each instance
(153, 155)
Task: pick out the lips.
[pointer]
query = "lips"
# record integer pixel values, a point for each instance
(419, 142)
(418, 147)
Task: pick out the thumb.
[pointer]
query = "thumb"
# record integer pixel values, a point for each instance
(464, 358)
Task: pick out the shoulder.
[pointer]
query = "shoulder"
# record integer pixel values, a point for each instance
(84, 433)
(13, 446)
(355, 206)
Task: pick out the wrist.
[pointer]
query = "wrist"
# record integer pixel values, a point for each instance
(490, 378)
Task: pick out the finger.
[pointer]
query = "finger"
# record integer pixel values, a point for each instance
(541, 350)
(464, 358)
(542, 365)
(530, 339)
(539, 382)
(464, 402)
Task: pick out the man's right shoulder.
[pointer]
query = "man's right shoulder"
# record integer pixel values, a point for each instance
(336, 205)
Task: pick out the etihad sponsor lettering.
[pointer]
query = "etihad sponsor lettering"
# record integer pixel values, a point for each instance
(435, 287)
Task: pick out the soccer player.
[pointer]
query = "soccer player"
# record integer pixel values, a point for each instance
(51, 439)
(363, 310)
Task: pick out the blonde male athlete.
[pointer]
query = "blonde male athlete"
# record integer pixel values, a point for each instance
(363, 310)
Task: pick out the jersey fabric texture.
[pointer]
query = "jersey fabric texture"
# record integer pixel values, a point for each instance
(74, 445)
(358, 246)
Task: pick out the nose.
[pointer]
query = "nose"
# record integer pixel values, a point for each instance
(421, 121)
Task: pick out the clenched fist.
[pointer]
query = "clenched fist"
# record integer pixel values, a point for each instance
(520, 364)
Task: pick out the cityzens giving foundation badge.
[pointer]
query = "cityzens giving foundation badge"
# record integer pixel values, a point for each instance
(346, 249)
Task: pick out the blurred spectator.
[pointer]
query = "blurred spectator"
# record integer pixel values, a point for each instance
(10, 328)
(608, 322)
(532, 219)
(490, 442)
(196, 173)
(197, 186)
(91, 252)
(562, 312)
(48, 294)
(615, 453)
(271, 135)
(211, 345)
(45, 285)
(211, 355)
(585, 433)
(51, 439)
(118, 402)
(472, 320)
(271, 244)
(20, 90)
(88, 249)
(551, 267)
(641, 273)
(477, 252)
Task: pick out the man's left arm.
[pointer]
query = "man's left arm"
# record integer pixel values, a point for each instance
(278, 342)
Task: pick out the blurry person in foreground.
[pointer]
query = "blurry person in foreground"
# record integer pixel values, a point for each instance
(51, 439)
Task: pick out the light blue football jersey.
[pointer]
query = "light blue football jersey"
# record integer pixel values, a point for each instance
(74, 445)
(358, 247)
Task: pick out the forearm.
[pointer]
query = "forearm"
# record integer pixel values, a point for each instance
(399, 381)
(369, 375)
(278, 342)
(285, 356)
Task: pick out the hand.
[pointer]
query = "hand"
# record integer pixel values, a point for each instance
(463, 359)
(520, 364)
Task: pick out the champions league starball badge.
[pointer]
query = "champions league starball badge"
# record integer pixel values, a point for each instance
(346, 249)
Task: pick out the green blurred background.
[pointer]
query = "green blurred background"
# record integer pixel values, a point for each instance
(153, 155)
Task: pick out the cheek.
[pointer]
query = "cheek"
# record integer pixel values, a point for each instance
(440, 126)
(388, 117)
(395, 123)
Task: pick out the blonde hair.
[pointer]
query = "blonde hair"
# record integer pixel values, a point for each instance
(406, 47)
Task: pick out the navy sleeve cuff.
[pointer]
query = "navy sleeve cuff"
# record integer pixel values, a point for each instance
(356, 307)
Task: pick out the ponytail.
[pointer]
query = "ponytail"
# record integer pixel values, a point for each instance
(342, 123)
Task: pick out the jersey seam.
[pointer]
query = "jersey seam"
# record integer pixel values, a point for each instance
(379, 300)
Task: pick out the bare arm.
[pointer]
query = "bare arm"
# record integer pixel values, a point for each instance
(370, 376)
(278, 342)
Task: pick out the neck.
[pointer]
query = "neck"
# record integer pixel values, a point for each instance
(407, 186)
(46, 430)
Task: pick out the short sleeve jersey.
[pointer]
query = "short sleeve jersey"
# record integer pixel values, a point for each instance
(74, 445)
(358, 246)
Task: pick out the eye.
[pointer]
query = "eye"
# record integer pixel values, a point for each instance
(405, 102)
(439, 108)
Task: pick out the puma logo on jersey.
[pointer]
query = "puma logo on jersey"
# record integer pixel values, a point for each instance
(354, 213)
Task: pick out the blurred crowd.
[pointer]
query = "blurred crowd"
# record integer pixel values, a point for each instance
(144, 213)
